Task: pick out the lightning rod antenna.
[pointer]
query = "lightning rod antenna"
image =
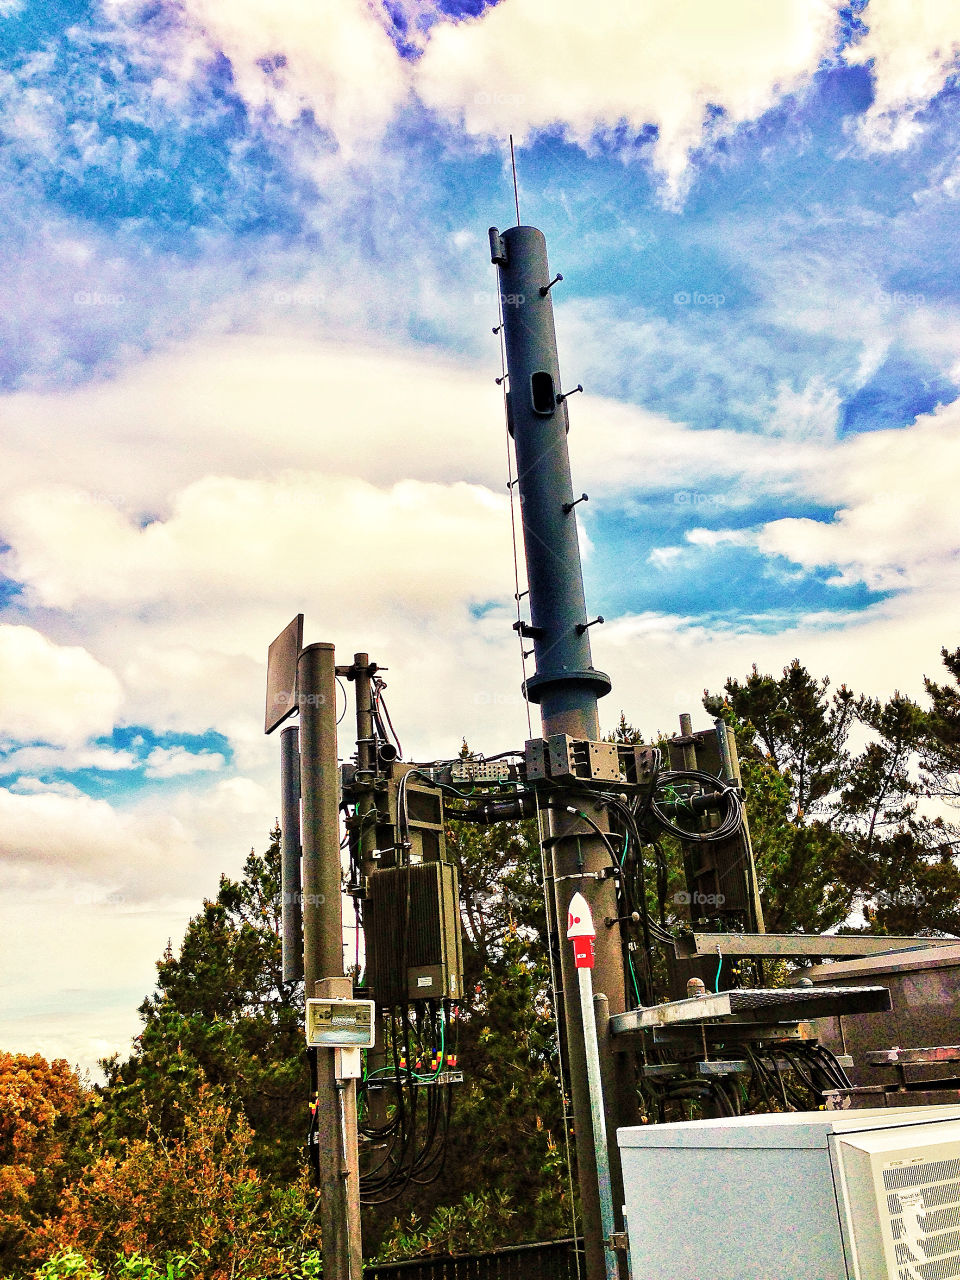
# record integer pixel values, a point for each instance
(513, 166)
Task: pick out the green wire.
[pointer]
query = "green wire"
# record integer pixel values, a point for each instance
(416, 1074)
(633, 977)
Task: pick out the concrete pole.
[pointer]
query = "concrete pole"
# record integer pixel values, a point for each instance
(323, 958)
(291, 893)
(566, 684)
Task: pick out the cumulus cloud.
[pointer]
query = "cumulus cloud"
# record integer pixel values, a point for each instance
(157, 849)
(912, 48)
(50, 692)
(176, 762)
(45, 759)
(333, 58)
(251, 406)
(524, 66)
(226, 536)
(529, 65)
(892, 497)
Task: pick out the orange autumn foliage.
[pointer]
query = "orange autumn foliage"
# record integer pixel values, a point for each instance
(39, 1101)
(195, 1195)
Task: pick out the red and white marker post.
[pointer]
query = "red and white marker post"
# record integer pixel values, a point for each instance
(581, 932)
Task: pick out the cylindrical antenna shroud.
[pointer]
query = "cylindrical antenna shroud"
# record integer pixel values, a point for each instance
(566, 680)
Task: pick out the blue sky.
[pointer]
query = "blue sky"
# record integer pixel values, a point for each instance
(246, 337)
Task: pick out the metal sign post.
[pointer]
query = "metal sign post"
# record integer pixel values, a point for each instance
(582, 933)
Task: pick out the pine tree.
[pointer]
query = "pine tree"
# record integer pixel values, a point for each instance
(835, 830)
(222, 1014)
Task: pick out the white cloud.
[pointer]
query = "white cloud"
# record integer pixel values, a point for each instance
(718, 537)
(55, 693)
(250, 407)
(58, 759)
(176, 762)
(529, 64)
(331, 57)
(76, 836)
(913, 47)
(810, 413)
(227, 536)
(34, 786)
(666, 557)
(159, 849)
(897, 526)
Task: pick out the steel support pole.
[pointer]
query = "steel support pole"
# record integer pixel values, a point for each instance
(291, 892)
(566, 684)
(361, 674)
(323, 957)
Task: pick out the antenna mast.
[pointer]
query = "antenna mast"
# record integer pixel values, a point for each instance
(513, 166)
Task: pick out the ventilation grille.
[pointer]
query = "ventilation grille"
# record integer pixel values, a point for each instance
(923, 1200)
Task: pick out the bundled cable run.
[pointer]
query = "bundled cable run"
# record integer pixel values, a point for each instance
(408, 1146)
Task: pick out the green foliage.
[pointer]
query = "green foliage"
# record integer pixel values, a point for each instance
(835, 829)
(69, 1265)
(465, 1227)
(72, 1265)
(941, 749)
(222, 1014)
(508, 1116)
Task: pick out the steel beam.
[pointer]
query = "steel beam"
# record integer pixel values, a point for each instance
(688, 945)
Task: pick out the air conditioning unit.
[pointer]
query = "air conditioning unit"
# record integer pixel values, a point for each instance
(859, 1195)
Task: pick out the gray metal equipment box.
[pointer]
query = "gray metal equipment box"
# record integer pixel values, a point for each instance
(863, 1195)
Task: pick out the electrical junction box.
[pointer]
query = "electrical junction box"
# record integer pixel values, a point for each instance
(412, 831)
(564, 759)
(340, 1024)
(864, 1195)
(471, 770)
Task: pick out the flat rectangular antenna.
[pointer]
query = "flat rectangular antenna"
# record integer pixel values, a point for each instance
(282, 659)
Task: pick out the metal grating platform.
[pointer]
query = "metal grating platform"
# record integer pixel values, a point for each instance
(783, 1004)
